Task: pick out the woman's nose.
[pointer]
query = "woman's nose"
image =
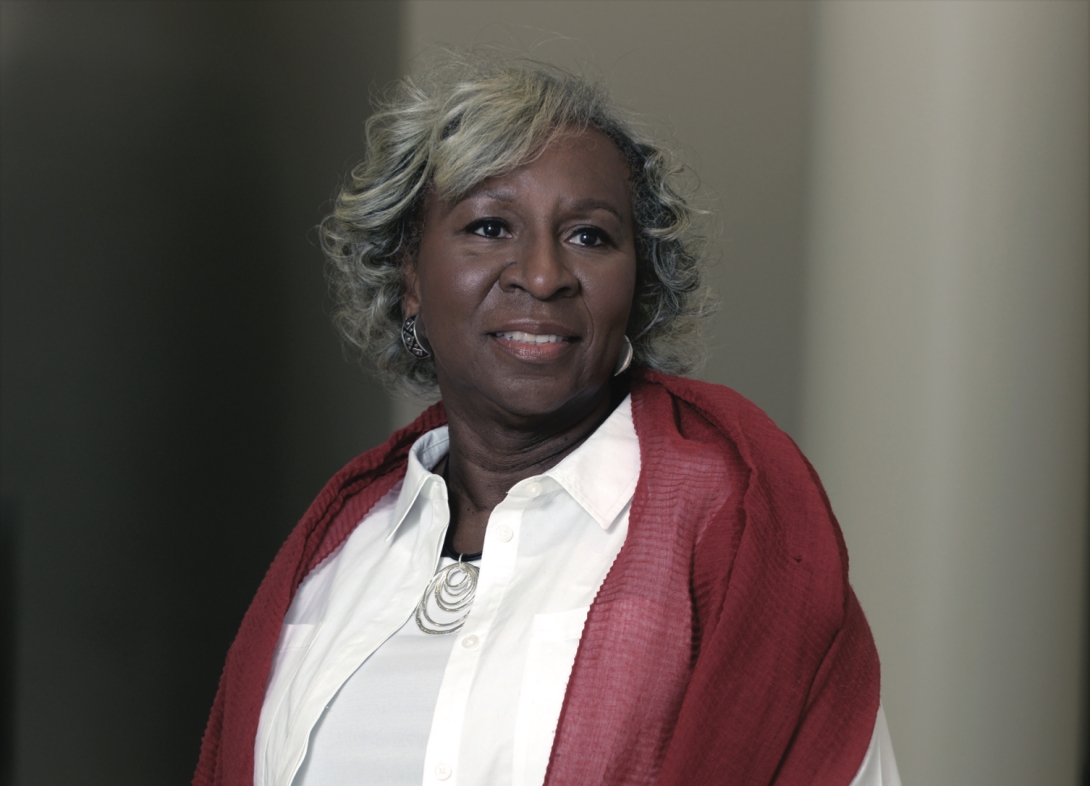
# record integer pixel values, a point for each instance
(539, 268)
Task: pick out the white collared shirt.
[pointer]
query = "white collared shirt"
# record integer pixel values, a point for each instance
(500, 679)
(358, 694)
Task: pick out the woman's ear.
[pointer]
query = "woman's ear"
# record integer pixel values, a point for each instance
(410, 282)
(409, 257)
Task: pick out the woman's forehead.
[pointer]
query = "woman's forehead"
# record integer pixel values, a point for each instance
(584, 161)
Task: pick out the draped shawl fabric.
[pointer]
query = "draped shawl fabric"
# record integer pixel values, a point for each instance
(725, 645)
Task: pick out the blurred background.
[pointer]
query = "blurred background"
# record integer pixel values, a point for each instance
(899, 195)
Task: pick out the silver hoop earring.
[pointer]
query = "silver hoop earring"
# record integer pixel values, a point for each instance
(625, 360)
(411, 340)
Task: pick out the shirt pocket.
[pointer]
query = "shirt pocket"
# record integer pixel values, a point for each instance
(291, 650)
(554, 640)
(293, 637)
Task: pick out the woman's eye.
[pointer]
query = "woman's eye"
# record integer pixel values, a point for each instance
(589, 237)
(488, 228)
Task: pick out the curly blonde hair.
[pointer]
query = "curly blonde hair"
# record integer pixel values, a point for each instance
(475, 117)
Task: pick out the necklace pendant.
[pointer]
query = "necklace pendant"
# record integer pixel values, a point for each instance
(446, 601)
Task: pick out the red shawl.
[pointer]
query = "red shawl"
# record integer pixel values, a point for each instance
(725, 645)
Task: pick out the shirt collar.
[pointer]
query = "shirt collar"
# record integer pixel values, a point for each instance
(600, 475)
(425, 453)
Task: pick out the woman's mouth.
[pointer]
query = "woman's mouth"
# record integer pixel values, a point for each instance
(531, 338)
(534, 347)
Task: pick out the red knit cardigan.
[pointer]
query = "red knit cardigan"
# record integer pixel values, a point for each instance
(725, 645)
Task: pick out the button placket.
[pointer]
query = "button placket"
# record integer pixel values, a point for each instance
(444, 744)
(497, 571)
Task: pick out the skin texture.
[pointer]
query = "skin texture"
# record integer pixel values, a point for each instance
(547, 249)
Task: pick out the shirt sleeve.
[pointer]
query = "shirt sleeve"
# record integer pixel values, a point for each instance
(879, 767)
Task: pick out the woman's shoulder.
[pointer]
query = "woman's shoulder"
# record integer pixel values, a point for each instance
(734, 452)
(708, 413)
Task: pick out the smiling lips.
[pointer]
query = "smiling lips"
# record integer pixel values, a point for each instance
(534, 347)
(530, 338)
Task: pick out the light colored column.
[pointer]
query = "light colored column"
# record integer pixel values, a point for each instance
(945, 375)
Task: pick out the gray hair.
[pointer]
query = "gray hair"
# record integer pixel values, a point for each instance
(476, 117)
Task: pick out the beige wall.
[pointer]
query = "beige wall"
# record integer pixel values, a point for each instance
(944, 396)
(901, 248)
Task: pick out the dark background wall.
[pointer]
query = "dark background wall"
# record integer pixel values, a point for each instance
(173, 393)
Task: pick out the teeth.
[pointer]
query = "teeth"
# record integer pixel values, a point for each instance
(530, 338)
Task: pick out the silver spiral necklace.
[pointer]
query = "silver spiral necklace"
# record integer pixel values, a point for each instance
(447, 599)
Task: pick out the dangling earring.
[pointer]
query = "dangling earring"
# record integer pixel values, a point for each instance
(625, 359)
(411, 340)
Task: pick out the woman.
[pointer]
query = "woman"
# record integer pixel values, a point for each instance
(575, 569)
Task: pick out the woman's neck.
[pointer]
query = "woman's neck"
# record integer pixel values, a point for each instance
(489, 454)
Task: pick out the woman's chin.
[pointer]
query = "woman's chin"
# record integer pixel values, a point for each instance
(555, 393)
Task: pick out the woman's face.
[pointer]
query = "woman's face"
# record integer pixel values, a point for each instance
(524, 285)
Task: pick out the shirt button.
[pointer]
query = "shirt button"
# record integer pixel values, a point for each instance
(442, 772)
(469, 642)
(504, 533)
(533, 489)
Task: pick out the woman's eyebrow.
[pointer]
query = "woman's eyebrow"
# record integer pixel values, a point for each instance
(590, 203)
(507, 195)
(499, 194)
